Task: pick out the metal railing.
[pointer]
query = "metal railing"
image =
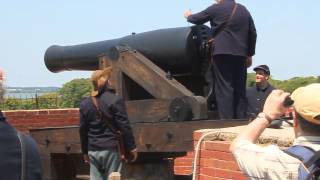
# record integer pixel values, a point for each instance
(27, 103)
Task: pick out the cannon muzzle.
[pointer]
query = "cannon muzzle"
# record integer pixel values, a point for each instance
(178, 50)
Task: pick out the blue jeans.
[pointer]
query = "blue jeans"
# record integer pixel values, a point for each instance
(103, 163)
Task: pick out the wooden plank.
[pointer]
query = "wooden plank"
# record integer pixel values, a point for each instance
(174, 136)
(150, 110)
(160, 137)
(150, 76)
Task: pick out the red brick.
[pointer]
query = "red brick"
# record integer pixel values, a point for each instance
(204, 177)
(183, 162)
(216, 155)
(9, 113)
(183, 170)
(190, 154)
(43, 112)
(209, 171)
(228, 165)
(221, 173)
(216, 145)
(197, 135)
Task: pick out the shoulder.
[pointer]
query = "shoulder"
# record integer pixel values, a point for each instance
(214, 8)
(32, 144)
(110, 98)
(271, 87)
(243, 8)
(251, 89)
(85, 101)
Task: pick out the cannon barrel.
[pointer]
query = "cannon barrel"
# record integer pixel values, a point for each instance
(177, 50)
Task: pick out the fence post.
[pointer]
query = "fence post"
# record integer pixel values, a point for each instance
(37, 101)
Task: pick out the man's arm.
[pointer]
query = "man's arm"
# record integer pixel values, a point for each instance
(83, 131)
(201, 17)
(273, 109)
(121, 118)
(252, 37)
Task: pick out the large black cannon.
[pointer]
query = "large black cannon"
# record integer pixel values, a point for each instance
(160, 74)
(178, 50)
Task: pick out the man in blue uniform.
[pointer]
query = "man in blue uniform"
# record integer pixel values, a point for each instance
(257, 94)
(101, 115)
(19, 156)
(235, 40)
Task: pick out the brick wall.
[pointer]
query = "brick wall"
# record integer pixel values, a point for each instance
(28, 119)
(216, 162)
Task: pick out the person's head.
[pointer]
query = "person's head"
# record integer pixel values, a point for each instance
(262, 74)
(307, 110)
(99, 79)
(218, 1)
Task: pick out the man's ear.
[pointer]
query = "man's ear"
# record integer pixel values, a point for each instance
(267, 77)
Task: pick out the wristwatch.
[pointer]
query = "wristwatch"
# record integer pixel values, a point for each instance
(263, 115)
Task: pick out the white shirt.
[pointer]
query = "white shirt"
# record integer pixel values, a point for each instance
(270, 162)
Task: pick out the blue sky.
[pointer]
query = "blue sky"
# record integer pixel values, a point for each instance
(288, 32)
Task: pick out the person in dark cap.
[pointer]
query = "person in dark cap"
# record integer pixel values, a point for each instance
(235, 37)
(101, 116)
(257, 94)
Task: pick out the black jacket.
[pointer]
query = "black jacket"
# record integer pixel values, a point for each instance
(10, 154)
(256, 98)
(239, 37)
(95, 135)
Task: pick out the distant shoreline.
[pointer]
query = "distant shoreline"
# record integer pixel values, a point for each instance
(28, 92)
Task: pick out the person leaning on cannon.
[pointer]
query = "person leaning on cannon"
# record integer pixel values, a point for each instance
(102, 116)
(235, 36)
(19, 155)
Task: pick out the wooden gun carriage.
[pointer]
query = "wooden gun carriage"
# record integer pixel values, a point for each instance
(160, 74)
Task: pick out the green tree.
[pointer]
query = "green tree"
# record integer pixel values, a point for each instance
(286, 85)
(73, 92)
(293, 83)
(48, 101)
(251, 79)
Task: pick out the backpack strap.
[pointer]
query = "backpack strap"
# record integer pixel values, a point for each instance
(313, 159)
(309, 169)
(305, 154)
(226, 23)
(23, 156)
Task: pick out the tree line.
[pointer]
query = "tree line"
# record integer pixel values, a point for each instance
(72, 92)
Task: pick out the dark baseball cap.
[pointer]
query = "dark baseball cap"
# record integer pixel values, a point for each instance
(263, 67)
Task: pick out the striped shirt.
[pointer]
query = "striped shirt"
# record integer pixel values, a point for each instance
(270, 162)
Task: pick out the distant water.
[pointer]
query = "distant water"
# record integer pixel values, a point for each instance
(22, 95)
